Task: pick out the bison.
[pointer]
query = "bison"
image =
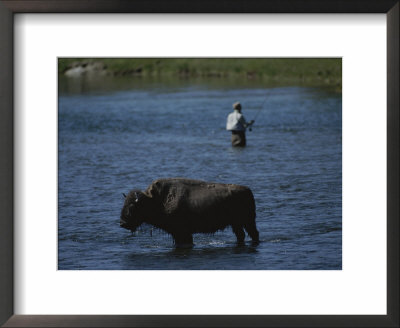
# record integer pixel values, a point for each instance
(183, 207)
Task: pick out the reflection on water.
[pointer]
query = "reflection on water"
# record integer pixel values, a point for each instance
(121, 134)
(106, 84)
(189, 258)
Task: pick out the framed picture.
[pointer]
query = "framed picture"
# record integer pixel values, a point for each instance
(73, 108)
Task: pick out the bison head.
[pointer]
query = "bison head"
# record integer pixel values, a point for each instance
(130, 213)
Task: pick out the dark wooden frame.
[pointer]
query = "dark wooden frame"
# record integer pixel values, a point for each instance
(7, 10)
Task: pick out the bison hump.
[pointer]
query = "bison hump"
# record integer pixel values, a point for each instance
(181, 195)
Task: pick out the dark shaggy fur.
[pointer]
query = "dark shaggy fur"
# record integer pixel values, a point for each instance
(182, 207)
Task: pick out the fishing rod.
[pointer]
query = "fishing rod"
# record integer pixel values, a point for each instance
(258, 111)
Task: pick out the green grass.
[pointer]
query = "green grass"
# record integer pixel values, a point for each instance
(310, 71)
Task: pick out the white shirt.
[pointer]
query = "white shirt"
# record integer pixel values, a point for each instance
(236, 121)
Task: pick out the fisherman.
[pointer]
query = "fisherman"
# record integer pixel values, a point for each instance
(238, 125)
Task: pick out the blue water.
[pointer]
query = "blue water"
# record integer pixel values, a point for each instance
(117, 139)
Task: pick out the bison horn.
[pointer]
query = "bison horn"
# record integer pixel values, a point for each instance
(137, 197)
(124, 195)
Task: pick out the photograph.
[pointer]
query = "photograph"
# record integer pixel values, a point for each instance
(199, 163)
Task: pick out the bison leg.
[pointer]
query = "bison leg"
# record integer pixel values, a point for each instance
(239, 234)
(252, 231)
(183, 239)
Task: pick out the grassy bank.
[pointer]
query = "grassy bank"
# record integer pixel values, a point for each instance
(294, 71)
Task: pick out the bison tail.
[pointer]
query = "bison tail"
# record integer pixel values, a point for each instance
(252, 204)
(250, 225)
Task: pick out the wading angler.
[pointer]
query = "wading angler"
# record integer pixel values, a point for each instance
(183, 207)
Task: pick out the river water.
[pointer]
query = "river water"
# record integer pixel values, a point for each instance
(118, 135)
